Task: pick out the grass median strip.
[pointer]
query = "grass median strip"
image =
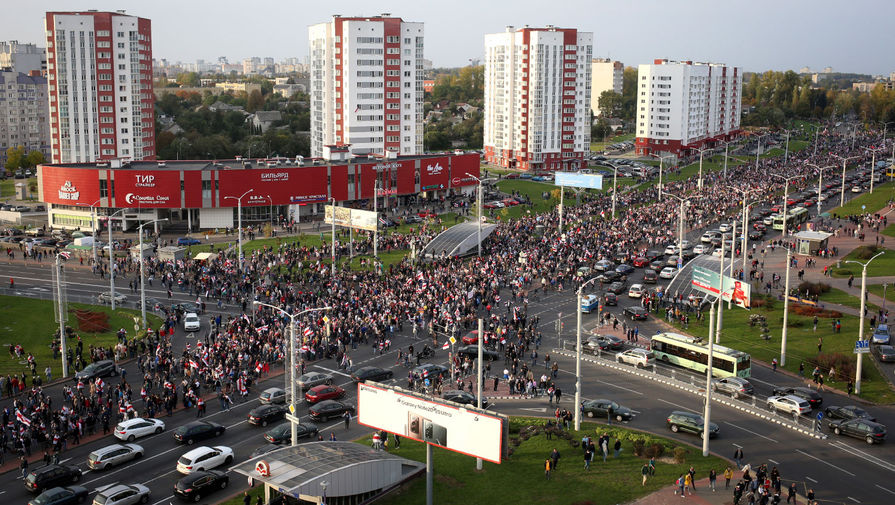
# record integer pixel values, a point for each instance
(868, 203)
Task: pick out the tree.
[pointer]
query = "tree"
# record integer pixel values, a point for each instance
(610, 104)
(14, 157)
(255, 101)
(188, 79)
(34, 158)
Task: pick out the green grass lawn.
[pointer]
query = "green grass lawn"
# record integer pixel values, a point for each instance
(801, 342)
(30, 323)
(882, 194)
(600, 145)
(889, 230)
(840, 297)
(877, 289)
(713, 164)
(883, 265)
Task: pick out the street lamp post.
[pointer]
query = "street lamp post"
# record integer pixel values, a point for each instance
(816, 133)
(578, 358)
(142, 276)
(862, 314)
(785, 198)
(820, 180)
(785, 307)
(479, 211)
(708, 383)
(745, 193)
(842, 190)
(786, 151)
(680, 228)
(699, 181)
(661, 159)
(112, 260)
(239, 217)
(854, 135)
(376, 213)
(758, 149)
(93, 225)
(290, 376)
(333, 240)
(63, 345)
(872, 166)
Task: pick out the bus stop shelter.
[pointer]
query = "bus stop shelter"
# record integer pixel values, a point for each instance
(809, 242)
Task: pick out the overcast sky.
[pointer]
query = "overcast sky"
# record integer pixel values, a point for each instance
(854, 36)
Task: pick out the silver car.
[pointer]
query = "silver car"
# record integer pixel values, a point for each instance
(311, 379)
(121, 494)
(112, 455)
(106, 297)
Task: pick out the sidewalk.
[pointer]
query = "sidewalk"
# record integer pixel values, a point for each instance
(703, 495)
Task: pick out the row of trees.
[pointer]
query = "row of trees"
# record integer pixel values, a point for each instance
(456, 86)
(17, 158)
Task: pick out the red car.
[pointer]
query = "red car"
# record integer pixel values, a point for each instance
(509, 202)
(427, 214)
(324, 392)
(640, 262)
(473, 337)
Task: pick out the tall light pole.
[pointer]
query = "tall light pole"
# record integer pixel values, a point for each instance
(290, 376)
(744, 193)
(270, 212)
(578, 358)
(854, 135)
(680, 228)
(785, 199)
(708, 383)
(872, 165)
(376, 212)
(785, 307)
(842, 190)
(112, 259)
(93, 225)
(861, 315)
(758, 149)
(142, 276)
(479, 210)
(63, 345)
(661, 159)
(786, 151)
(239, 217)
(820, 180)
(720, 295)
(333, 240)
(614, 185)
(699, 181)
(816, 133)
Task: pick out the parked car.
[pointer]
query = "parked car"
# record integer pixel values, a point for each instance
(668, 272)
(789, 404)
(191, 322)
(324, 392)
(734, 386)
(103, 368)
(650, 276)
(602, 409)
(641, 358)
(811, 396)
(311, 379)
(884, 352)
(70, 495)
(329, 409)
(689, 422)
(463, 397)
(106, 297)
(191, 433)
(273, 395)
(113, 455)
(472, 351)
(265, 414)
(188, 241)
(282, 433)
(431, 371)
(636, 313)
(847, 412)
(604, 343)
(371, 373)
(616, 287)
(138, 427)
(49, 476)
(197, 485)
(881, 334)
(122, 494)
(871, 432)
(635, 291)
(204, 458)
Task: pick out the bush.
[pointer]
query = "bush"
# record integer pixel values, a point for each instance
(638, 447)
(654, 450)
(814, 288)
(844, 365)
(865, 252)
(809, 311)
(760, 301)
(680, 455)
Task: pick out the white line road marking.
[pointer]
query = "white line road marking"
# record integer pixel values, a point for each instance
(636, 411)
(852, 499)
(750, 431)
(863, 455)
(812, 480)
(332, 371)
(753, 379)
(541, 409)
(64, 460)
(168, 499)
(737, 445)
(886, 490)
(104, 475)
(159, 477)
(772, 461)
(824, 462)
(676, 405)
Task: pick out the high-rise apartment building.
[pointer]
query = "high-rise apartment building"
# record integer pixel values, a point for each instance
(606, 75)
(537, 98)
(682, 106)
(367, 85)
(23, 58)
(99, 72)
(23, 113)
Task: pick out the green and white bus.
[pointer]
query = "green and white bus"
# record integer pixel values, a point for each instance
(797, 216)
(693, 353)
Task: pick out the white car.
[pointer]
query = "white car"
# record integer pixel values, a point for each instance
(121, 494)
(640, 358)
(671, 250)
(725, 227)
(668, 273)
(138, 427)
(204, 458)
(191, 322)
(789, 403)
(717, 253)
(856, 189)
(635, 291)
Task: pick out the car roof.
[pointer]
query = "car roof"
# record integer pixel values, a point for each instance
(795, 398)
(198, 451)
(133, 421)
(274, 390)
(114, 488)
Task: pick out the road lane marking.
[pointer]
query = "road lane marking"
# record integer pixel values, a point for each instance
(536, 409)
(772, 461)
(752, 432)
(737, 445)
(676, 405)
(824, 462)
(168, 499)
(886, 490)
(863, 455)
(812, 480)
(334, 371)
(852, 499)
(104, 475)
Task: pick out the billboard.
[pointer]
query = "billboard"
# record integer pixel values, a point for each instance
(286, 185)
(579, 180)
(68, 186)
(158, 189)
(453, 428)
(710, 282)
(352, 218)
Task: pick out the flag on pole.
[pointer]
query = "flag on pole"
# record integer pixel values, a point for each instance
(65, 254)
(446, 345)
(22, 419)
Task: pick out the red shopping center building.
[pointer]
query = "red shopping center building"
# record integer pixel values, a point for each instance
(203, 193)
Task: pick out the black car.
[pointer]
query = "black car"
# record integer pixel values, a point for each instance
(871, 432)
(834, 412)
(636, 313)
(198, 484)
(650, 276)
(464, 397)
(884, 352)
(263, 415)
(610, 299)
(657, 265)
(103, 368)
(431, 371)
(601, 409)
(811, 396)
(282, 434)
(610, 276)
(50, 476)
(605, 342)
(186, 308)
(70, 495)
(197, 430)
(617, 287)
(371, 373)
(689, 423)
(653, 255)
(472, 351)
(328, 409)
(624, 269)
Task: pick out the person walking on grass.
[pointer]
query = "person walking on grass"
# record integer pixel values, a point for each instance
(644, 473)
(547, 468)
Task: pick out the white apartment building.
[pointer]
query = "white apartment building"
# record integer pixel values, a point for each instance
(99, 72)
(606, 75)
(537, 98)
(682, 106)
(366, 85)
(23, 58)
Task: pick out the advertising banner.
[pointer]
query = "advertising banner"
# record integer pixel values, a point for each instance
(283, 185)
(710, 282)
(739, 291)
(579, 180)
(68, 186)
(434, 174)
(147, 189)
(706, 280)
(352, 218)
(455, 429)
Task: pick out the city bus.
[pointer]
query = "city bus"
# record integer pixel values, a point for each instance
(797, 216)
(691, 352)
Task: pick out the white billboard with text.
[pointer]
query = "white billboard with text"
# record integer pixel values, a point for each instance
(454, 428)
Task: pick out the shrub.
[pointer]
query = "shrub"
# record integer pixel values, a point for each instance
(814, 288)
(654, 450)
(844, 365)
(765, 302)
(809, 311)
(638, 447)
(865, 252)
(680, 455)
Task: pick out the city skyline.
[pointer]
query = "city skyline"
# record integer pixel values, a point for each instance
(812, 35)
